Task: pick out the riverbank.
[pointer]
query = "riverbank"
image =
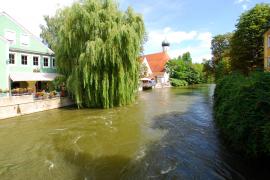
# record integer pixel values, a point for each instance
(242, 105)
(12, 106)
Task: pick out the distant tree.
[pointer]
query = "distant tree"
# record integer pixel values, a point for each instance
(220, 46)
(247, 41)
(49, 32)
(183, 72)
(143, 70)
(208, 69)
(186, 57)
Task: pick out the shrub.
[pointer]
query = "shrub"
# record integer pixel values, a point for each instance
(242, 112)
(178, 82)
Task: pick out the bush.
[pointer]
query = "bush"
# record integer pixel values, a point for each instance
(178, 82)
(242, 112)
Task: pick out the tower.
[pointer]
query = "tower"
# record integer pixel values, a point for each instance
(165, 45)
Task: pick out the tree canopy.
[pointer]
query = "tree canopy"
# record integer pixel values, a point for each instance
(186, 57)
(97, 48)
(183, 72)
(247, 41)
(220, 46)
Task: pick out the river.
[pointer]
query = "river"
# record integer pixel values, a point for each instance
(167, 134)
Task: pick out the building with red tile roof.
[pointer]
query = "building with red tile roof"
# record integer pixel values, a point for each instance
(156, 64)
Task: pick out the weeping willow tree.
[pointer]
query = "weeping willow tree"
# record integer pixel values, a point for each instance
(97, 47)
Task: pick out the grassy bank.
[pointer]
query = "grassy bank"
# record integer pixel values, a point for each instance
(242, 112)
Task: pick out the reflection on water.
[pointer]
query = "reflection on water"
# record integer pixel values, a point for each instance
(166, 134)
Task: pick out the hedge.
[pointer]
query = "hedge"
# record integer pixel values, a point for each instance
(242, 112)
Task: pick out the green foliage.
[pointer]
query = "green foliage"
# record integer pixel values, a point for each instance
(186, 57)
(242, 106)
(220, 46)
(247, 41)
(96, 47)
(143, 70)
(208, 70)
(178, 82)
(58, 82)
(221, 69)
(219, 65)
(184, 71)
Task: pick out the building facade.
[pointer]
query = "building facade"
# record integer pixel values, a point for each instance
(267, 50)
(25, 62)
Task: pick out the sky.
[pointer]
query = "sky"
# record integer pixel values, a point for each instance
(188, 25)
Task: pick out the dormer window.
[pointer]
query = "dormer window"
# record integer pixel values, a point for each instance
(24, 39)
(10, 36)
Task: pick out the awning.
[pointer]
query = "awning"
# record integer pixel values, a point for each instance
(32, 76)
(145, 79)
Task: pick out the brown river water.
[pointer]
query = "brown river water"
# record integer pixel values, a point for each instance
(166, 134)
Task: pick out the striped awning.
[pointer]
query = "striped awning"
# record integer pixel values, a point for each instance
(32, 76)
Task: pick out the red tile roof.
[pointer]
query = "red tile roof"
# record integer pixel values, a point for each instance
(157, 61)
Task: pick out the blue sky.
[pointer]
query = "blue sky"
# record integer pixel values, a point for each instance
(188, 25)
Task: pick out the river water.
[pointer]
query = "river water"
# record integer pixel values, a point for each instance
(167, 134)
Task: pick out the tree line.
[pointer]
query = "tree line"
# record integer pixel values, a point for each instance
(242, 50)
(242, 94)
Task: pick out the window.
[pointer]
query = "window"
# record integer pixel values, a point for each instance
(24, 60)
(53, 62)
(10, 36)
(35, 61)
(11, 58)
(45, 62)
(24, 39)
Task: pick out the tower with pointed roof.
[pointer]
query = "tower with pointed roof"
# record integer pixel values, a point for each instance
(165, 45)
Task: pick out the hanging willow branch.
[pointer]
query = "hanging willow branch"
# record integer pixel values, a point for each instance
(97, 47)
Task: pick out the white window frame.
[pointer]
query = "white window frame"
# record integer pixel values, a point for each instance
(38, 60)
(48, 62)
(21, 43)
(53, 59)
(14, 58)
(28, 64)
(15, 40)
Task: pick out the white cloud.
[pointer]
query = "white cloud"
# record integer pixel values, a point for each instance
(244, 7)
(156, 37)
(180, 43)
(244, 3)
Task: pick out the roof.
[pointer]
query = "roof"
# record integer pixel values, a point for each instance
(3, 39)
(26, 30)
(157, 61)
